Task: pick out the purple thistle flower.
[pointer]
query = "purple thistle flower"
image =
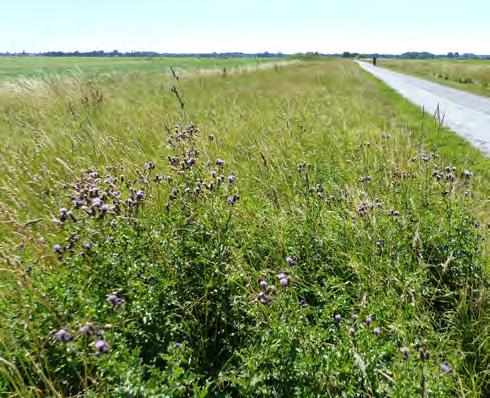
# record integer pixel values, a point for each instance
(64, 216)
(102, 347)
(284, 281)
(96, 202)
(263, 284)
(447, 168)
(88, 330)
(290, 260)
(62, 335)
(214, 174)
(220, 162)
(337, 318)
(405, 353)
(104, 208)
(263, 298)
(87, 245)
(303, 303)
(230, 200)
(111, 298)
(187, 191)
(140, 195)
(377, 331)
(369, 320)
(424, 354)
(352, 331)
(57, 248)
(159, 178)
(178, 346)
(231, 178)
(149, 166)
(281, 275)
(117, 302)
(450, 177)
(354, 317)
(445, 368)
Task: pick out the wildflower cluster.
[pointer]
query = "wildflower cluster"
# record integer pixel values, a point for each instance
(86, 331)
(113, 196)
(266, 290)
(449, 173)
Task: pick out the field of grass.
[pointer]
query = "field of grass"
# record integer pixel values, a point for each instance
(15, 67)
(468, 75)
(293, 231)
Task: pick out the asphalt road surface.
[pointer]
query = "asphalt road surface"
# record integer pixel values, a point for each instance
(465, 113)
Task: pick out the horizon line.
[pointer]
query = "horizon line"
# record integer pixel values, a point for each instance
(116, 51)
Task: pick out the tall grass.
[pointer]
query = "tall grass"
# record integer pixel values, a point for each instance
(286, 232)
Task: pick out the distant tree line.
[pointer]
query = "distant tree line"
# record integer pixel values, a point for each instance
(116, 53)
(266, 54)
(417, 55)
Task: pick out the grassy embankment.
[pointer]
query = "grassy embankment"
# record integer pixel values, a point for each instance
(468, 75)
(132, 286)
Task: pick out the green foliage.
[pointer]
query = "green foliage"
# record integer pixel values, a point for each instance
(137, 263)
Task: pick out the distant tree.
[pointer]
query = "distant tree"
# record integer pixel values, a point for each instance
(450, 55)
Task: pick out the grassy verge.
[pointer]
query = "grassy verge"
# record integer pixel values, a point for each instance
(291, 231)
(467, 75)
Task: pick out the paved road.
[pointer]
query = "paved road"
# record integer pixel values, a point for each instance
(465, 113)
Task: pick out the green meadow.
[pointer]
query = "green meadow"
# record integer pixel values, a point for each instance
(38, 66)
(298, 230)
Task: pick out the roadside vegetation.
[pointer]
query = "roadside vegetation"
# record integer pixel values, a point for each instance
(468, 75)
(293, 231)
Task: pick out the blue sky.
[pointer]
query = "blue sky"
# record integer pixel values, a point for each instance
(252, 25)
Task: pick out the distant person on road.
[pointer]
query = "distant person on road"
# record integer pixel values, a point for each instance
(374, 61)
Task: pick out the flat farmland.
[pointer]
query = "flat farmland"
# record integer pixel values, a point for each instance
(38, 66)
